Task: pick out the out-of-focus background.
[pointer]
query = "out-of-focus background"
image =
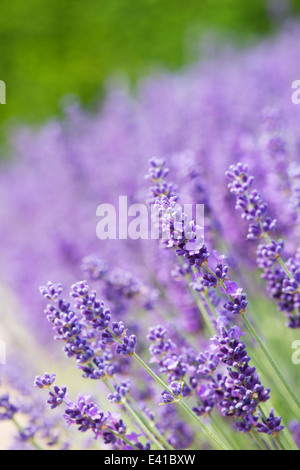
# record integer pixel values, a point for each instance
(129, 66)
(69, 47)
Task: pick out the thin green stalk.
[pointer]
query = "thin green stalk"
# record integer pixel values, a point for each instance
(279, 259)
(19, 427)
(141, 424)
(257, 440)
(123, 438)
(180, 402)
(202, 425)
(136, 417)
(220, 430)
(288, 438)
(203, 311)
(276, 438)
(265, 351)
(152, 427)
(279, 442)
(270, 359)
(211, 306)
(199, 303)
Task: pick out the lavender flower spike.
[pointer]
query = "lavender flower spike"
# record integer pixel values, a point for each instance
(44, 382)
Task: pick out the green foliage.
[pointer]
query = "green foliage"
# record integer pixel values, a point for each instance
(58, 47)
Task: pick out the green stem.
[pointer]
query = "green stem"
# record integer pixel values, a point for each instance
(271, 361)
(204, 313)
(123, 438)
(202, 425)
(199, 303)
(278, 440)
(180, 402)
(19, 427)
(211, 306)
(165, 386)
(279, 259)
(152, 427)
(289, 439)
(135, 416)
(257, 440)
(266, 352)
(220, 430)
(141, 424)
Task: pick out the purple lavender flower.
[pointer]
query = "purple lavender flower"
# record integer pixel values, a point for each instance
(271, 425)
(7, 409)
(295, 430)
(282, 281)
(238, 125)
(118, 329)
(57, 397)
(44, 382)
(120, 286)
(127, 348)
(251, 204)
(206, 401)
(157, 175)
(87, 335)
(51, 291)
(238, 306)
(86, 416)
(121, 392)
(179, 434)
(267, 255)
(173, 395)
(242, 388)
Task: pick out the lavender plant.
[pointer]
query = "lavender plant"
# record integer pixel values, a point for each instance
(283, 281)
(95, 158)
(173, 338)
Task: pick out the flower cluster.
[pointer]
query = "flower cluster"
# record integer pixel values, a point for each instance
(86, 415)
(89, 334)
(283, 278)
(174, 360)
(193, 296)
(7, 409)
(119, 286)
(239, 392)
(113, 145)
(175, 395)
(157, 176)
(177, 228)
(35, 429)
(243, 391)
(251, 203)
(121, 392)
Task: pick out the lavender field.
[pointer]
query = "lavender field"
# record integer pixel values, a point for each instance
(115, 339)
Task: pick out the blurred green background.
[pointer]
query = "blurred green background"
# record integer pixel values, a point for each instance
(58, 47)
